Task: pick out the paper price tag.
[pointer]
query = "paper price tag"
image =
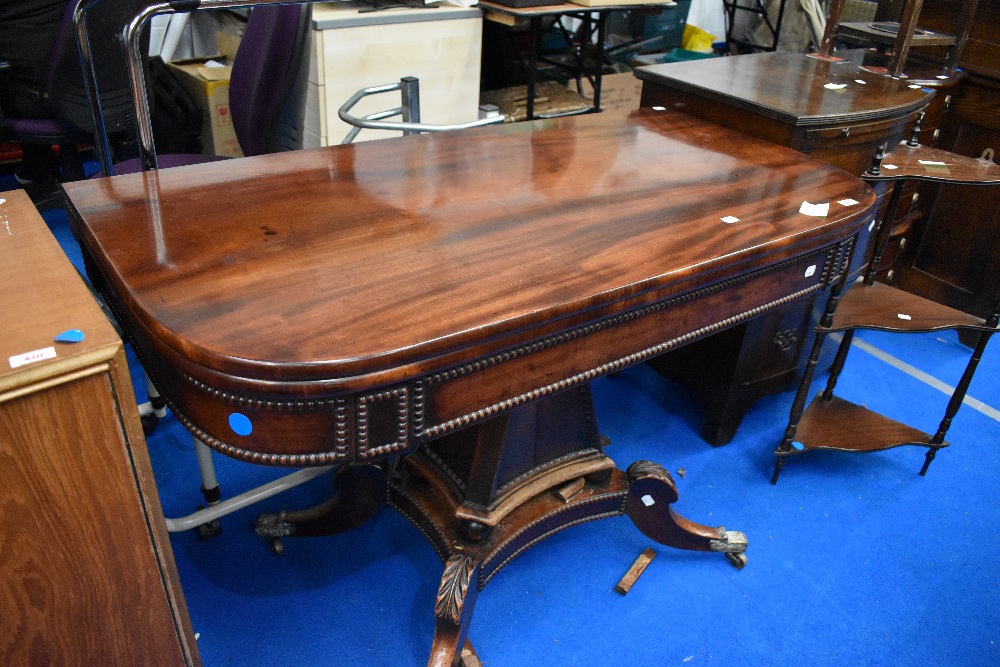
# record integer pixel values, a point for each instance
(19, 360)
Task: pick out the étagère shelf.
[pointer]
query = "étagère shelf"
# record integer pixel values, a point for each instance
(833, 423)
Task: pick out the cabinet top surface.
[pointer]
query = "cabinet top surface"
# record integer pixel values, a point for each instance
(794, 87)
(347, 260)
(42, 297)
(333, 15)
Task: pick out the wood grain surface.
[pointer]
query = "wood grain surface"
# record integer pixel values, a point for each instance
(89, 576)
(791, 87)
(434, 281)
(328, 263)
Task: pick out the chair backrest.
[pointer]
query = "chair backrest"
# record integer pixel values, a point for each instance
(66, 87)
(269, 78)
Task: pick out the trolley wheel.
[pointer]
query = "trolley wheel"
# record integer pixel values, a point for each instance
(149, 423)
(737, 560)
(277, 547)
(207, 531)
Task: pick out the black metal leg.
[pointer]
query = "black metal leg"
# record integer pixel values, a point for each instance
(602, 22)
(536, 39)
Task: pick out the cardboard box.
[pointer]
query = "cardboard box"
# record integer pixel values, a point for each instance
(551, 97)
(209, 86)
(619, 92)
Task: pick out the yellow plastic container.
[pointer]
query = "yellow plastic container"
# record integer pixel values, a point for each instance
(696, 39)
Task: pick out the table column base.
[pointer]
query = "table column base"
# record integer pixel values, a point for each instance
(477, 537)
(483, 495)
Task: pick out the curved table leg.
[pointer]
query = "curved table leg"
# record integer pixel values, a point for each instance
(651, 493)
(361, 491)
(453, 608)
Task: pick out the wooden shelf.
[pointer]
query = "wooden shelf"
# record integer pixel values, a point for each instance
(823, 427)
(879, 306)
(880, 33)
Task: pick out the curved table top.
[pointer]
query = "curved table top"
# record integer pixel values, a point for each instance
(795, 88)
(319, 273)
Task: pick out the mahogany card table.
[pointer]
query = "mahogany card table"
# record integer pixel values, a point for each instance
(426, 313)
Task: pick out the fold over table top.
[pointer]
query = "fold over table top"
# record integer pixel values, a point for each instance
(333, 271)
(331, 263)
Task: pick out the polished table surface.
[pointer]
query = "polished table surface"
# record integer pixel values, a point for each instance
(449, 297)
(794, 88)
(320, 274)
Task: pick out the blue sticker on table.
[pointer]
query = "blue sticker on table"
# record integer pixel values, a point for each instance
(70, 336)
(240, 424)
(798, 445)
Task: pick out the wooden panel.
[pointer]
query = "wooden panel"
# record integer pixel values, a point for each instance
(81, 582)
(957, 261)
(89, 575)
(983, 46)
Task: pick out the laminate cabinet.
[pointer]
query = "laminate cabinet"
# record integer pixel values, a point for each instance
(355, 47)
(88, 576)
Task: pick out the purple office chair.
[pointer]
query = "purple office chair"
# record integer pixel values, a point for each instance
(266, 89)
(53, 131)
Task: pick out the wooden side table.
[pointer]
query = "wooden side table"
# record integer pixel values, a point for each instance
(833, 423)
(839, 112)
(89, 576)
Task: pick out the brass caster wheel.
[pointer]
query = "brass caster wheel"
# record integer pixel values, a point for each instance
(276, 546)
(737, 560)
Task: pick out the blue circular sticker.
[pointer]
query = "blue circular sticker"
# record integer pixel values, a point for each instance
(797, 445)
(240, 424)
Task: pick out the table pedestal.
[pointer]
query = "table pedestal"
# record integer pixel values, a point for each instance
(485, 494)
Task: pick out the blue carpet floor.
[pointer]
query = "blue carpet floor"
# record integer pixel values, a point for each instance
(853, 560)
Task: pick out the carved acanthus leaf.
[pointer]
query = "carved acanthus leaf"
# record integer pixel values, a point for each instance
(454, 585)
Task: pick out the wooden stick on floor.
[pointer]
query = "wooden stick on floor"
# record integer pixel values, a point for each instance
(635, 571)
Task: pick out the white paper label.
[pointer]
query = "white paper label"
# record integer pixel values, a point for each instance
(903, 316)
(648, 501)
(835, 86)
(818, 210)
(889, 166)
(730, 219)
(811, 271)
(933, 163)
(19, 360)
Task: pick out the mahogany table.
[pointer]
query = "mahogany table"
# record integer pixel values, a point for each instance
(427, 313)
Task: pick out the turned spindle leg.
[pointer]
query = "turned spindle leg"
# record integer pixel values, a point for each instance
(956, 398)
